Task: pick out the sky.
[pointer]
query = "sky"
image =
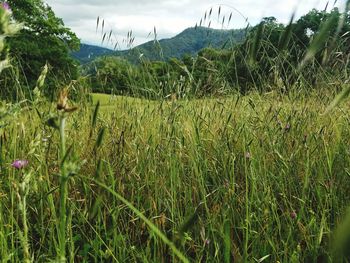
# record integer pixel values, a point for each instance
(167, 18)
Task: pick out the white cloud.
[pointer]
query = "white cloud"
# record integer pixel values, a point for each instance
(169, 17)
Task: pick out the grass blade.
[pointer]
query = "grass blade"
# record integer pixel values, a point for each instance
(319, 40)
(256, 43)
(285, 38)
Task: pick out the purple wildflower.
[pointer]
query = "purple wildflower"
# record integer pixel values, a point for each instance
(293, 214)
(287, 127)
(19, 164)
(6, 6)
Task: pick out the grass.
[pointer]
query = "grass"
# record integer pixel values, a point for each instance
(244, 178)
(263, 177)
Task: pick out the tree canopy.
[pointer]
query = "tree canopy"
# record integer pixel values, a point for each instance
(43, 39)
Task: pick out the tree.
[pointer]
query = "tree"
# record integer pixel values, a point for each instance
(43, 39)
(310, 24)
(109, 74)
(275, 62)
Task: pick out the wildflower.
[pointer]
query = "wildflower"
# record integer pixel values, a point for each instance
(6, 6)
(287, 127)
(19, 164)
(248, 155)
(293, 214)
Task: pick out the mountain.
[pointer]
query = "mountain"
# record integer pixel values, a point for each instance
(88, 53)
(190, 41)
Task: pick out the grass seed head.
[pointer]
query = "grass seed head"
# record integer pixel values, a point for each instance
(62, 103)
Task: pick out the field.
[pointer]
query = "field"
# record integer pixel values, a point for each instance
(188, 151)
(255, 178)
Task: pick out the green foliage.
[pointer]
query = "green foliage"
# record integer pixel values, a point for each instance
(87, 53)
(43, 40)
(256, 177)
(310, 52)
(109, 74)
(273, 55)
(190, 41)
(8, 28)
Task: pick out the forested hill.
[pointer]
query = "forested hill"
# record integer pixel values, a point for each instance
(190, 41)
(88, 53)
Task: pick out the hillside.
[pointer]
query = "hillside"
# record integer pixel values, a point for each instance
(190, 41)
(88, 53)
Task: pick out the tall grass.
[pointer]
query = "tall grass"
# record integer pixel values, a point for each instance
(262, 177)
(241, 178)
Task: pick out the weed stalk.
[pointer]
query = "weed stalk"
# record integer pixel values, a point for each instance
(63, 190)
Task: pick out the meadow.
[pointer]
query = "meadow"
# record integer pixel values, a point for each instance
(255, 178)
(239, 154)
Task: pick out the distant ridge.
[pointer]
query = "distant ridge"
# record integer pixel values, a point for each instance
(88, 53)
(190, 41)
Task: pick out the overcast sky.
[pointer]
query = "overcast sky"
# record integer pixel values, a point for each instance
(169, 17)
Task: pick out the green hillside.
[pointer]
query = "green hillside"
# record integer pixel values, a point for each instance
(190, 41)
(88, 53)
